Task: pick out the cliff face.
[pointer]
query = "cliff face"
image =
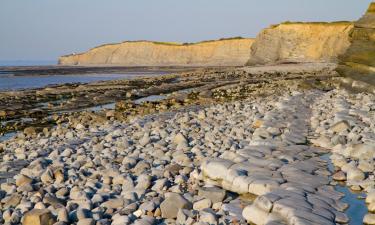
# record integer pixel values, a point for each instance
(358, 62)
(230, 52)
(301, 42)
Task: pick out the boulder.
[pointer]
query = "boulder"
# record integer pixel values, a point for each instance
(22, 180)
(202, 204)
(172, 203)
(38, 217)
(339, 176)
(215, 194)
(255, 215)
(369, 219)
(355, 174)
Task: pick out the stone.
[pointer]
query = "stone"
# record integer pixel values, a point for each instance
(340, 126)
(120, 220)
(11, 201)
(29, 131)
(22, 180)
(143, 182)
(62, 215)
(216, 168)
(184, 217)
(371, 207)
(202, 204)
(180, 139)
(148, 206)
(339, 176)
(369, 219)
(38, 217)
(215, 194)
(144, 221)
(113, 203)
(355, 174)
(172, 203)
(80, 127)
(255, 215)
(47, 177)
(208, 216)
(86, 221)
(59, 176)
(370, 197)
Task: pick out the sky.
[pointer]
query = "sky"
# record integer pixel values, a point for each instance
(45, 29)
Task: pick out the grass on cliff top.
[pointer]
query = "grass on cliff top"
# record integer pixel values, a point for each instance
(172, 43)
(194, 43)
(313, 23)
(159, 43)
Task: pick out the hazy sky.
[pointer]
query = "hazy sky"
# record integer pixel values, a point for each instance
(45, 29)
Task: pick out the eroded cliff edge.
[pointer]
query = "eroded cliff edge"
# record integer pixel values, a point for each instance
(301, 42)
(286, 42)
(228, 52)
(357, 65)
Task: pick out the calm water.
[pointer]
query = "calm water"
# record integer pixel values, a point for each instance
(10, 82)
(27, 62)
(357, 206)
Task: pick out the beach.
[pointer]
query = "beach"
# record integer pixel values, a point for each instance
(208, 146)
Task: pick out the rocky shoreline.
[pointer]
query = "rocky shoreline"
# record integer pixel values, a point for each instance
(225, 146)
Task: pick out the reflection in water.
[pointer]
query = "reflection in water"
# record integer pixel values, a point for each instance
(151, 98)
(7, 136)
(357, 206)
(9, 82)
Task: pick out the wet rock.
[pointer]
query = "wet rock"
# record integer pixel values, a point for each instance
(339, 176)
(369, 219)
(355, 174)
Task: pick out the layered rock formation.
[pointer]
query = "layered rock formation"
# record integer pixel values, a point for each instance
(228, 52)
(301, 42)
(358, 62)
(286, 42)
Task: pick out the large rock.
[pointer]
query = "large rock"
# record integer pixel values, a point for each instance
(358, 62)
(369, 219)
(38, 217)
(172, 203)
(255, 215)
(229, 52)
(215, 194)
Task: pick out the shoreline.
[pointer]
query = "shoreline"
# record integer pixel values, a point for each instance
(167, 160)
(68, 97)
(79, 70)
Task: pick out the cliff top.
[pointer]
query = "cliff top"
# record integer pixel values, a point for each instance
(312, 23)
(164, 43)
(371, 8)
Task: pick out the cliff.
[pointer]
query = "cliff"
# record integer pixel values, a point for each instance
(226, 52)
(301, 42)
(358, 62)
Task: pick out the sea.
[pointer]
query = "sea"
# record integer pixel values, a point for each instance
(10, 82)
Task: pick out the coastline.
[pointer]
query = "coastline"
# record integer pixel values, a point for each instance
(155, 144)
